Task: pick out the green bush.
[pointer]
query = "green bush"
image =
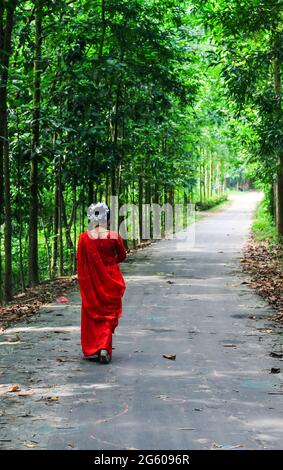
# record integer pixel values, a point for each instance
(263, 227)
(211, 202)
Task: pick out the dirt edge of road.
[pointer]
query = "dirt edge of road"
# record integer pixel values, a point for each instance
(263, 263)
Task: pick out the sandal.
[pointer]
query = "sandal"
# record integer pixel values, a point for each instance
(104, 356)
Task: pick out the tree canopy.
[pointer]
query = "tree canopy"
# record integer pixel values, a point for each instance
(154, 101)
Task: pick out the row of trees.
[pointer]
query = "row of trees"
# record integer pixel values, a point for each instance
(97, 98)
(248, 48)
(125, 98)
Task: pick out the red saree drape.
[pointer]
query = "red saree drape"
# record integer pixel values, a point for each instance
(102, 287)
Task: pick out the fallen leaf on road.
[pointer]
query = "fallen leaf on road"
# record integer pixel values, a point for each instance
(275, 370)
(53, 398)
(14, 388)
(275, 354)
(59, 359)
(227, 447)
(186, 429)
(25, 394)
(172, 357)
(194, 330)
(30, 444)
(62, 300)
(15, 339)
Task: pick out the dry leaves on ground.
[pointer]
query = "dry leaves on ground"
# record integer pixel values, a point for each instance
(27, 303)
(264, 264)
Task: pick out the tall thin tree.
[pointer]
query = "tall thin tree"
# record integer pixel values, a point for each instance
(33, 212)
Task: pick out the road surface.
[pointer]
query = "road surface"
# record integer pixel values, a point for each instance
(184, 300)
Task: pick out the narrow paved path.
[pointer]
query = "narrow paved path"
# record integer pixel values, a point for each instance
(218, 391)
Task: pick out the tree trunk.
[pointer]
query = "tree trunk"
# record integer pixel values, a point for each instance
(55, 225)
(91, 177)
(90, 190)
(75, 230)
(61, 252)
(279, 176)
(211, 176)
(6, 28)
(46, 246)
(2, 116)
(33, 213)
(103, 28)
(140, 204)
(65, 223)
(22, 277)
(1, 289)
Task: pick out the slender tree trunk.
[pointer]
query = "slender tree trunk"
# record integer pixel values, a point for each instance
(22, 277)
(55, 225)
(90, 190)
(133, 214)
(91, 177)
(75, 230)
(204, 181)
(83, 210)
(65, 223)
(6, 28)
(46, 246)
(279, 179)
(1, 286)
(113, 182)
(33, 214)
(114, 131)
(140, 204)
(103, 28)
(61, 251)
(106, 189)
(3, 117)
(211, 175)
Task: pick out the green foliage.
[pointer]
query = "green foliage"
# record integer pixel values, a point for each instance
(247, 36)
(133, 103)
(211, 202)
(263, 227)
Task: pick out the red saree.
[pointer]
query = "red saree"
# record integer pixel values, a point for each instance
(102, 287)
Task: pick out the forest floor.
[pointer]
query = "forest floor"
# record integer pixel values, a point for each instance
(263, 262)
(189, 299)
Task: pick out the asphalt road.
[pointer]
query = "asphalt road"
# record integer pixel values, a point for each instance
(182, 299)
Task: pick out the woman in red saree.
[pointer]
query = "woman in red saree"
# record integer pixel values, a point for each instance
(101, 284)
